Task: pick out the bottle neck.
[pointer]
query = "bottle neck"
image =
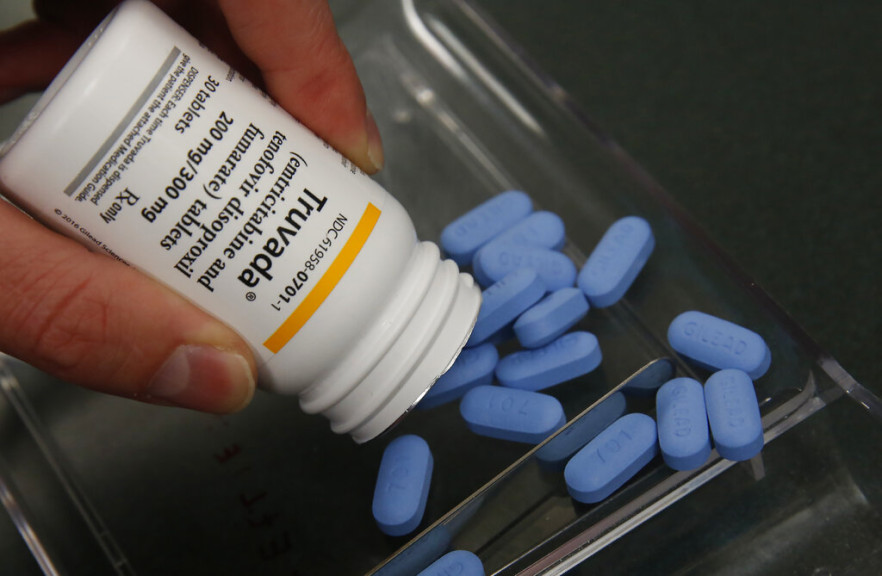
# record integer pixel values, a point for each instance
(424, 325)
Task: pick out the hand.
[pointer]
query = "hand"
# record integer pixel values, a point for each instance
(93, 322)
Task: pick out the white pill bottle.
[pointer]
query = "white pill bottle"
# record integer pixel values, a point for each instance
(149, 148)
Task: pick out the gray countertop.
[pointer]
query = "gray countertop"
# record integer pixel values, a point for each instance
(761, 119)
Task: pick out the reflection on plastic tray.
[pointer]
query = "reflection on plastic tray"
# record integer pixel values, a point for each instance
(101, 485)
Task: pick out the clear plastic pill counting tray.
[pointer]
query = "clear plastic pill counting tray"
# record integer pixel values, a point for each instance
(100, 485)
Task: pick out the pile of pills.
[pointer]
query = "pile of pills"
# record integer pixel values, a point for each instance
(534, 293)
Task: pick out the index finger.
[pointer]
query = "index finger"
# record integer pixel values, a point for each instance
(308, 71)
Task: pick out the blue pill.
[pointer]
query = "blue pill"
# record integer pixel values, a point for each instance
(503, 335)
(603, 465)
(717, 344)
(461, 238)
(498, 260)
(402, 485)
(566, 358)
(540, 230)
(682, 424)
(504, 301)
(418, 554)
(734, 415)
(581, 431)
(551, 317)
(647, 380)
(473, 367)
(511, 414)
(616, 260)
(456, 563)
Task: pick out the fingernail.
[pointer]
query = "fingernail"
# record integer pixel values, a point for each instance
(375, 144)
(203, 378)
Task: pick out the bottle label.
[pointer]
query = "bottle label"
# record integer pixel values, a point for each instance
(208, 185)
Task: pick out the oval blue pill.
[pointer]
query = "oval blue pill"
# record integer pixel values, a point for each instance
(456, 563)
(568, 357)
(418, 554)
(616, 261)
(498, 260)
(682, 424)
(504, 301)
(402, 485)
(734, 415)
(511, 414)
(583, 430)
(551, 317)
(540, 230)
(647, 380)
(503, 335)
(461, 238)
(717, 344)
(473, 367)
(603, 465)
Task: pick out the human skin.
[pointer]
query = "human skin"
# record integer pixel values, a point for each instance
(94, 322)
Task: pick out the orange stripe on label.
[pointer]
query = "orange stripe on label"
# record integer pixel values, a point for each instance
(327, 282)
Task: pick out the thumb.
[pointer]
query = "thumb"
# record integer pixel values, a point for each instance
(95, 322)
